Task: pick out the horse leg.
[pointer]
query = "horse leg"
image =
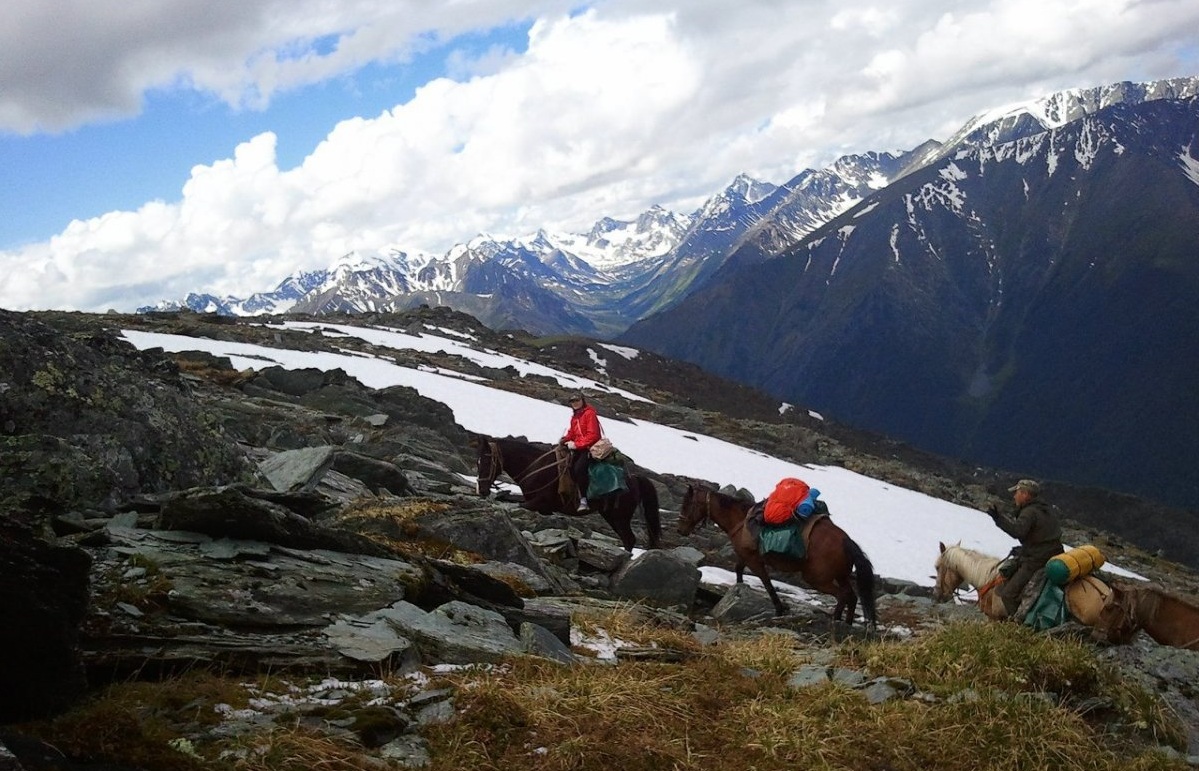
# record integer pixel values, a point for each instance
(647, 496)
(851, 606)
(622, 526)
(847, 603)
(758, 566)
(847, 599)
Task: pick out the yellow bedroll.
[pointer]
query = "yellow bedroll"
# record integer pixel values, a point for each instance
(1066, 567)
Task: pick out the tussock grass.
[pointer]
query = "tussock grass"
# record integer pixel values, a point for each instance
(985, 655)
(392, 523)
(994, 696)
(1003, 698)
(217, 375)
(398, 510)
(1013, 659)
(634, 624)
(135, 723)
(292, 749)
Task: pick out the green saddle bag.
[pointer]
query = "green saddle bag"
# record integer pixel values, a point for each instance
(605, 478)
(786, 539)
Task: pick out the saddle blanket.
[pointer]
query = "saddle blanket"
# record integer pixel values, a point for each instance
(605, 478)
(789, 540)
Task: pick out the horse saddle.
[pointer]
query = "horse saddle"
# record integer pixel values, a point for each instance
(789, 539)
(1081, 599)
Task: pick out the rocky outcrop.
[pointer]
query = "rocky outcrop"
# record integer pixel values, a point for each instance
(86, 422)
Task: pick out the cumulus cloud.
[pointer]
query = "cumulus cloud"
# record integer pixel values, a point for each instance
(607, 111)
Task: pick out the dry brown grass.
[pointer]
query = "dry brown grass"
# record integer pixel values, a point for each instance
(217, 375)
(292, 749)
(394, 509)
(999, 698)
(729, 707)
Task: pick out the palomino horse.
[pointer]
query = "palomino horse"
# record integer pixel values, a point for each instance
(535, 469)
(832, 560)
(1168, 619)
(957, 565)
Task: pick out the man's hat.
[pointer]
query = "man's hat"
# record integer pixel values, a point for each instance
(575, 397)
(1030, 485)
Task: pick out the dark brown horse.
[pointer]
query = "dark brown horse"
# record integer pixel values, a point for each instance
(535, 468)
(1168, 619)
(834, 564)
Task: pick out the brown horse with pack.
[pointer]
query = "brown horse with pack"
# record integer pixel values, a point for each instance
(833, 563)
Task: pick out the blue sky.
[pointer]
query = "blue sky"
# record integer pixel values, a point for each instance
(121, 163)
(149, 149)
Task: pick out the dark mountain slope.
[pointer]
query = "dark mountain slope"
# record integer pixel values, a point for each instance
(1028, 305)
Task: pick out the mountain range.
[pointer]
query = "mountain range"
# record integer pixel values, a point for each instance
(1019, 295)
(1028, 304)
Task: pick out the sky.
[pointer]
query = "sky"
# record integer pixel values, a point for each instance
(899, 529)
(150, 149)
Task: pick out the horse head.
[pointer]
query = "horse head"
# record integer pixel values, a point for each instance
(694, 509)
(488, 465)
(949, 580)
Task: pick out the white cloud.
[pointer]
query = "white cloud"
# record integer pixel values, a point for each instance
(608, 111)
(72, 61)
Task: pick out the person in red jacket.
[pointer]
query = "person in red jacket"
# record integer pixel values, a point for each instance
(583, 432)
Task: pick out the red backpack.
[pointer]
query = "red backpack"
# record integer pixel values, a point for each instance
(781, 503)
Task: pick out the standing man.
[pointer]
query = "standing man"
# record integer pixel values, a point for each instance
(1039, 532)
(583, 432)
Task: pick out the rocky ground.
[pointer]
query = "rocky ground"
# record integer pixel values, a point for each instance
(159, 512)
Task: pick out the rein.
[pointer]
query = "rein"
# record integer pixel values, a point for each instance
(497, 466)
(986, 588)
(709, 495)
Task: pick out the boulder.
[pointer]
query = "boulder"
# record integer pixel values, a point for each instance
(44, 593)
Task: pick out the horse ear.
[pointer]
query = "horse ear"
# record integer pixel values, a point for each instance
(942, 547)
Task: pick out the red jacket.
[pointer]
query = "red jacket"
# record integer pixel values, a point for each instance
(584, 428)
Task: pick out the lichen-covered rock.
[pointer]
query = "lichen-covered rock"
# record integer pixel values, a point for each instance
(87, 421)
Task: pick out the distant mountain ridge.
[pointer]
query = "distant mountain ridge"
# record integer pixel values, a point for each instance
(600, 282)
(1027, 304)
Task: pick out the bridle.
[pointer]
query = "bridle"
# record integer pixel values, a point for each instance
(950, 592)
(495, 463)
(694, 522)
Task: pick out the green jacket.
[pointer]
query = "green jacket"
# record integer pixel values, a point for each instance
(1037, 529)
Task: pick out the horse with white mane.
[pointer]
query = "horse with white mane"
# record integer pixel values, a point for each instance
(958, 566)
(1085, 596)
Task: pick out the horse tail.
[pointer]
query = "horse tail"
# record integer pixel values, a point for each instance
(863, 577)
(650, 509)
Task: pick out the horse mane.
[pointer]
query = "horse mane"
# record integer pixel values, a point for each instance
(968, 561)
(724, 498)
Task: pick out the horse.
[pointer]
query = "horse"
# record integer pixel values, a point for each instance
(535, 469)
(833, 565)
(1168, 619)
(957, 565)
(1086, 597)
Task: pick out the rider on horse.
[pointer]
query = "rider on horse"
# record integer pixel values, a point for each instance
(1037, 528)
(583, 432)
